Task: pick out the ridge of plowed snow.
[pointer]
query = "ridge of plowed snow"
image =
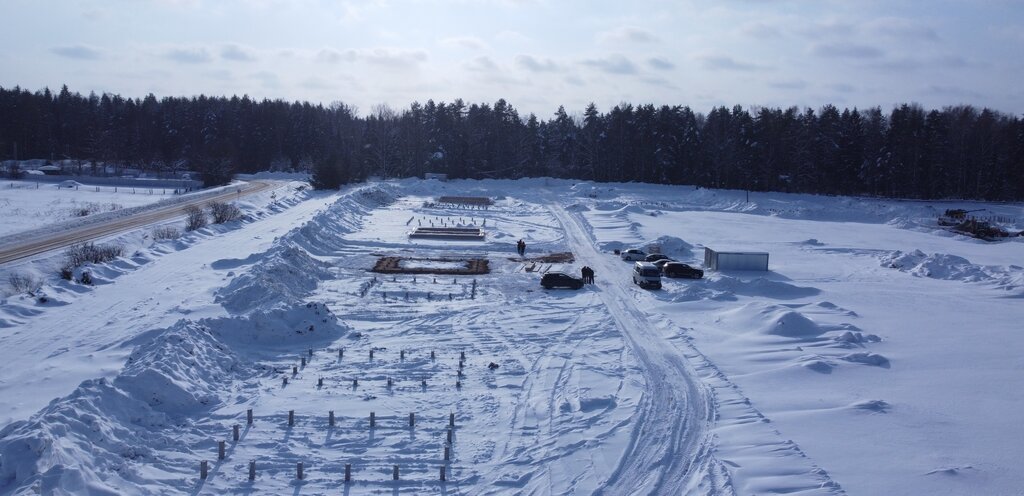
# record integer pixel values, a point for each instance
(139, 433)
(282, 274)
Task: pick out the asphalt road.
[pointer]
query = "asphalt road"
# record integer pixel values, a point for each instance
(59, 240)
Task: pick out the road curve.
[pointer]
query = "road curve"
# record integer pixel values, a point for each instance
(54, 241)
(670, 447)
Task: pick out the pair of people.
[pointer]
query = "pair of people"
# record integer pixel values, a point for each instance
(588, 275)
(521, 247)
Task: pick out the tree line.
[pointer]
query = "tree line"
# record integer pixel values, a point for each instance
(957, 152)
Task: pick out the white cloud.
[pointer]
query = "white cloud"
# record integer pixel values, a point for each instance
(188, 55)
(534, 64)
(393, 58)
(902, 29)
(846, 49)
(332, 56)
(513, 37)
(726, 63)
(612, 64)
(236, 53)
(761, 30)
(481, 64)
(628, 34)
(80, 52)
(467, 42)
(660, 64)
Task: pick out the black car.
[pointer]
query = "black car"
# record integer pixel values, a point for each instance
(661, 263)
(654, 257)
(679, 269)
(560, 280)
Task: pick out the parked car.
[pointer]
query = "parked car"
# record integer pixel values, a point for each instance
(560, 280)
(679, 269)
(632, 255)
(654, 257)
(646, 275)
(661, 263)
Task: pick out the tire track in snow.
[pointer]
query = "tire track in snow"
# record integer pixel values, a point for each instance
(670, 448)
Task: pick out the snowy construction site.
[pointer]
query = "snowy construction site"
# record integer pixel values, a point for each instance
(388, 338)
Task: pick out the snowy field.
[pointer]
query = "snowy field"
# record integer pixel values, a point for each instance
(28, 205)
(878, 355)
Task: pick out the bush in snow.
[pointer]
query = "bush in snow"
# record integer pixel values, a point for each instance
(83, 253)
(24, 283)
(67, 272)
(224, 212)
(92, 208)
(166, 232)
(195, 218)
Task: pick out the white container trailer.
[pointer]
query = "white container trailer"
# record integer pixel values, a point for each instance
(735, 260)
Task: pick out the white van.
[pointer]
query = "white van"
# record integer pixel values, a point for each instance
(647, 275)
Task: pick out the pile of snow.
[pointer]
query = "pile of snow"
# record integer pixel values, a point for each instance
(759, 287)
(788, 323)
(141, 431)
(674, 247)
(179, 371)
(106, 437)
(294, 326)
(324, 234)
(282, 274)
(610, 205)
(93, 441)
(954, 268)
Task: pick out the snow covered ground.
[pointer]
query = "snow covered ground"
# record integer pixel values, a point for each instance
(877, 356)
(28, 205)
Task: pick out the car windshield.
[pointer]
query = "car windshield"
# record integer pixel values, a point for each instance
(648, 272)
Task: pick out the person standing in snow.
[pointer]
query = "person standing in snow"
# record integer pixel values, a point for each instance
(588, 275)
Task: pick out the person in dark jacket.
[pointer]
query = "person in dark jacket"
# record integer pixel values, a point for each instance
(588, 274)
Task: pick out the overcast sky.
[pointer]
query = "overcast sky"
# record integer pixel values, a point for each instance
(537, 54)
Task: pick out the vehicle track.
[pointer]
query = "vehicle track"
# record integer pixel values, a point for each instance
(55, 241)
(670, 447)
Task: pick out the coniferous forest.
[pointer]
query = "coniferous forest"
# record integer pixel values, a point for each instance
(958, 152)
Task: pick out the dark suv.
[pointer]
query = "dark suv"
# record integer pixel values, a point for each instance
(679, 269)
(560, 280)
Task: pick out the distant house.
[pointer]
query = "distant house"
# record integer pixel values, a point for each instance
(435, 175)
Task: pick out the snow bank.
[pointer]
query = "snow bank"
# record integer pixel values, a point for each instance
(178, 371)
(139, 432)
(674, 247)
(323, 235)
(721, 287)
(104, 437)
(282, 274)
(294, 326)
(953, 268)
(90, 442)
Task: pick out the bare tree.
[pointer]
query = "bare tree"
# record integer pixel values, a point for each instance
(195, 218)
(24, 283)
(224, 212)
